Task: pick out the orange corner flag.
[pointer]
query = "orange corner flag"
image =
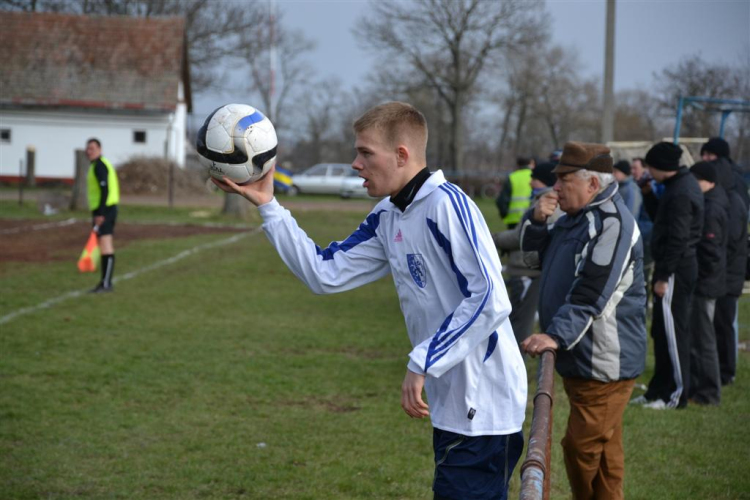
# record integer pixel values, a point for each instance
(90, 255)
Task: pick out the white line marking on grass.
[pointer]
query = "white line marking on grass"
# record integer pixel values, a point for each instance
(77, 293)
(38, 227)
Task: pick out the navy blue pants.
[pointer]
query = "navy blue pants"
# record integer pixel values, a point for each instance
(474, 468)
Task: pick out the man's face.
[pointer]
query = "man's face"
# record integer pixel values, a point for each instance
(93, 151)
(620, 176)
(575, 192)
(636, 168)
(377, 164)
(658, 175)
(705, 185)
(706, 156)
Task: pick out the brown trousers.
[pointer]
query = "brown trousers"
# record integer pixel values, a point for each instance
(592, 446)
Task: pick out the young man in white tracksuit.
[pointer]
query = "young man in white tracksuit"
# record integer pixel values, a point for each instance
(434, 241)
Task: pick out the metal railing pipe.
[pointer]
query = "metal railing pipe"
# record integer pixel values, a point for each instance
(535, 470)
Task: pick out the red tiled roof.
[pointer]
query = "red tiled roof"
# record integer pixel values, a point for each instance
(108, 62)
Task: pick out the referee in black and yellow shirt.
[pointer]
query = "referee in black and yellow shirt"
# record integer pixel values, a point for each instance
(104, 196)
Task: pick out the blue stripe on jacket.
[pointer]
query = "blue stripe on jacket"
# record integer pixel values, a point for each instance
(440, 344)
(463, 284)
(445, 244)
(364, 232)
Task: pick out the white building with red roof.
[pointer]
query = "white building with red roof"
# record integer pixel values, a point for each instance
(67, 78)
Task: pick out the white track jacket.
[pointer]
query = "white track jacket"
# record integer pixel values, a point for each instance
(447, 274)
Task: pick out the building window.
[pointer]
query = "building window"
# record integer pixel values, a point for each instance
(5, 135)
(139, 136)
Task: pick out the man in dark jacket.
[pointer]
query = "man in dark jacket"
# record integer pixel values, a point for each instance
(705, 382)
(728, 175)
(717, 150)
(592, 310)
(678, 223)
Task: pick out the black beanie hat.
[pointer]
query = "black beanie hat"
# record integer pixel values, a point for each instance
(717, 146)
(664, 156)
(705, 171)
(543, 173)
(623, 166)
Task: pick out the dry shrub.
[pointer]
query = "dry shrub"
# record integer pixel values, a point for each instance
(150, 175)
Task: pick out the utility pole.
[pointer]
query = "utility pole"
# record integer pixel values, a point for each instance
(608, 111)
(272, 58)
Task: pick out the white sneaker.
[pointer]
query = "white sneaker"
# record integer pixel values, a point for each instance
(640, 400)
(656, 404)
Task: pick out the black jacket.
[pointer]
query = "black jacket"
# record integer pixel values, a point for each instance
(731, 180)
(712, 247)
(729, 176)
(740, 184)
(737, 245)
(678, 222)
(102, 177)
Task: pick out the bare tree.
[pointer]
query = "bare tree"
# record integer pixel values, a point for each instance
(320, 108)
(545, 101)
(326, 114)
(637, 117)
(693, 76)
(448, 43)
(294, 71)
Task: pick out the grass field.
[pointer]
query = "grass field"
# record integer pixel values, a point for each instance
(222, 376)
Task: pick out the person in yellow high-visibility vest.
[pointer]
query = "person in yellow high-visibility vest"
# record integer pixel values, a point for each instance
(515, 197)
(104, 196)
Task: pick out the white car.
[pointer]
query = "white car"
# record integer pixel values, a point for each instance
(328, 178)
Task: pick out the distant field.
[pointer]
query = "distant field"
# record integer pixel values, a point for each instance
(219, 375)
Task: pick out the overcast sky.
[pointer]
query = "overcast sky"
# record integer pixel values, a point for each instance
(650, 35)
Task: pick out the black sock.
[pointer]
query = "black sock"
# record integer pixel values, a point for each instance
(108, 268)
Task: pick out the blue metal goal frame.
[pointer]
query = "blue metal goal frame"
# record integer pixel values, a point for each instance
(724, 106)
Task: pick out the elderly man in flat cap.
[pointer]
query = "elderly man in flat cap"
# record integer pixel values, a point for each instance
(591, 310)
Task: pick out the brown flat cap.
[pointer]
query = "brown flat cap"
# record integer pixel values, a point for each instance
(581, 155)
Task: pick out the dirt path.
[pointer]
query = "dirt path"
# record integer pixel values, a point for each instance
(31, 241)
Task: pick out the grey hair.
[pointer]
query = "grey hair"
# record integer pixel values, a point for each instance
(604, 179)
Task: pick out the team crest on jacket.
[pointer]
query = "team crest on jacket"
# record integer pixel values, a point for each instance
(417, 269)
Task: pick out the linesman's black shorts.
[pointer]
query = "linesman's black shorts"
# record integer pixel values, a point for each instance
(110, 217)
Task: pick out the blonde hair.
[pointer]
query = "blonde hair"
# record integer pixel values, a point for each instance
(398, 122)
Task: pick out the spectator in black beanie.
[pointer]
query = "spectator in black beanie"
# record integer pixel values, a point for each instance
(705, 379)
(678, 222)
(729, 176)
(629, 190)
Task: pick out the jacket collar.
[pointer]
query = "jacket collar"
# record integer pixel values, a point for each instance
(431, 184)
(682, 171)
(403, 198)
(606, 195)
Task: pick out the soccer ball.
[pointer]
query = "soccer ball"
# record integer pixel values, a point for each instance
(239, 142)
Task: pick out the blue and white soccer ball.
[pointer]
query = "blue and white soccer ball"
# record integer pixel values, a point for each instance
(239, 142)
